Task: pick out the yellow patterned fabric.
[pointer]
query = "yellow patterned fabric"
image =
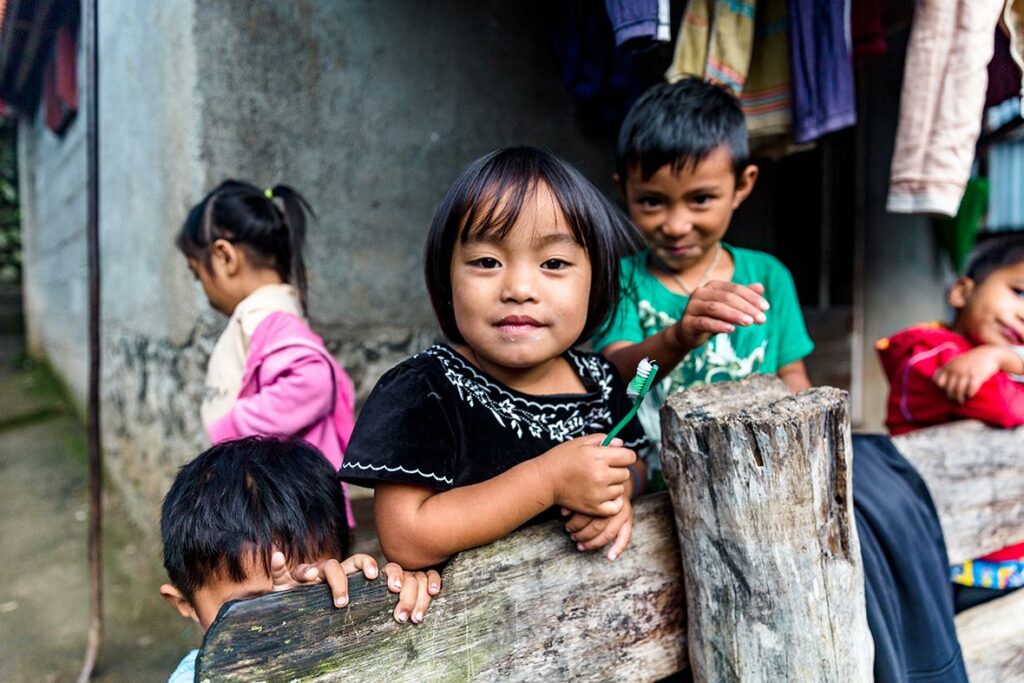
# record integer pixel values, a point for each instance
(715, 42)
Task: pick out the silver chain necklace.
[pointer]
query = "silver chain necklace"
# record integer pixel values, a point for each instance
(703, 278)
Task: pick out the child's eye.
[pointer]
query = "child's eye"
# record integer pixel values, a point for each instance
(1018, 291)
(702, 199)
(555, 264)
(485, 262)
(649, 202)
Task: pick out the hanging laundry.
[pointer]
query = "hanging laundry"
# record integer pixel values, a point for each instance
(1013, 22)
(715, 42)
(944, 83)
(1006, 178)
(602, 80)
(1004, 76)
(643, 21)
(823, 99)
(958, 234)
(767, 97)
(866, 29)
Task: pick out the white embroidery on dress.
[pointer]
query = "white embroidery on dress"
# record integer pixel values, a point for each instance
(578, 415)
(377, 468)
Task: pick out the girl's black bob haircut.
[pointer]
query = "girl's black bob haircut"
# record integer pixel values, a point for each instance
(230, 507)
(487, 198)
(270, 224)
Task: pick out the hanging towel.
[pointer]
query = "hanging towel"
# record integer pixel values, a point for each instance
(944, 84)
(715, 42)
(767, 97)
(645, 21)
(823, 99)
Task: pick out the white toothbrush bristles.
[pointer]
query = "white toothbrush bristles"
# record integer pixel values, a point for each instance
(643, 371)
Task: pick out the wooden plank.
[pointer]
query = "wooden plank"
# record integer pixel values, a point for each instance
(992, 639)
(976, 476)
(762, 492)
(528, 607)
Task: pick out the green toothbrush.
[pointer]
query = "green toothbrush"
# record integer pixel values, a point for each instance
(646, 370)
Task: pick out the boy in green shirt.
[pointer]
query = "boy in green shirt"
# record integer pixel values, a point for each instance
(704, 310)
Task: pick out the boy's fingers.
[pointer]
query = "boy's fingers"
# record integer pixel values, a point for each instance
(407, 598)
(278, 567)
(612, 506)
(337, 579)
(622, 540)
(749, 293)
(361, 562)
(394, 575)
(419, 610)
(433, 582)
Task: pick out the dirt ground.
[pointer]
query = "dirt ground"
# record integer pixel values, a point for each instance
(43, 513)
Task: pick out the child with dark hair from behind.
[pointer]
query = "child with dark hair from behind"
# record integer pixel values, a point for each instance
(257, 515)
(971, 368)
(269, 373)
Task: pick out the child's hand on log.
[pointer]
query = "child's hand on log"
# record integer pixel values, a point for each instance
(587, 476)
(414, 589)
(591, 533)
(962, 377)
(718, 307)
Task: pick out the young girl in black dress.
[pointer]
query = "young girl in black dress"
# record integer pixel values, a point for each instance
(467, 441)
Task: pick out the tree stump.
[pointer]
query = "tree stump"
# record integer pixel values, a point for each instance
(760, 482)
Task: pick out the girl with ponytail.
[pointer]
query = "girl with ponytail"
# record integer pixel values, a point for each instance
(269, 373)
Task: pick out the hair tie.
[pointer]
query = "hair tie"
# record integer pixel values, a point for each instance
(269, 193)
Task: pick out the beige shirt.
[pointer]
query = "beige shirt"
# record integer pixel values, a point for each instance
(227, 361)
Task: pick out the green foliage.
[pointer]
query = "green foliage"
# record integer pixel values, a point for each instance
(10, 228)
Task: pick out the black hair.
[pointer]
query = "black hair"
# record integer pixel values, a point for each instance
(238, 499)
(680, 124)
(245, 215)
(487, 198)
(995, 252)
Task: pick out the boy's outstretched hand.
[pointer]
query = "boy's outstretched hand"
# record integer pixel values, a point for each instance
(591, 533)
(717, 307)
(414, 589)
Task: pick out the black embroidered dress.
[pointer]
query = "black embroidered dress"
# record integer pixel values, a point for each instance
(437, 421)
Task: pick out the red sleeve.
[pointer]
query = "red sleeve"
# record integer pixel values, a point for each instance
(999, 402)
(913, 397)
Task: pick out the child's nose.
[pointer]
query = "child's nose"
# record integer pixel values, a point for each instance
(519, 284)
(679, 223)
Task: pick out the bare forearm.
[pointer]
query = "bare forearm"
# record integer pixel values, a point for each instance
(1009, 361)
(422, 533)
(665, 348)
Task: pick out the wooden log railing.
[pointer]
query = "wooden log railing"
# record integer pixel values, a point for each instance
(762, 493)
(530, 606)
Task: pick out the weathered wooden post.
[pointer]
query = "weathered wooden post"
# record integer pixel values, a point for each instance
(760, 482)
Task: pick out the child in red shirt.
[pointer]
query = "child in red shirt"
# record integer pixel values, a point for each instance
(970, 369)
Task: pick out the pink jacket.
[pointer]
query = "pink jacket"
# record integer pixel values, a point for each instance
(292, 387)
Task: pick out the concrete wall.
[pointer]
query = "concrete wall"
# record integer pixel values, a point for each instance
(52, 193)
(369, 109)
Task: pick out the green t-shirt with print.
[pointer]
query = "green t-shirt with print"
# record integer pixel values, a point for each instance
(646, 307)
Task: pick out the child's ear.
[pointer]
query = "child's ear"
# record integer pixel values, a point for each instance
(960, 292)
(173, 596)
(226, 256)
(744, 184)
